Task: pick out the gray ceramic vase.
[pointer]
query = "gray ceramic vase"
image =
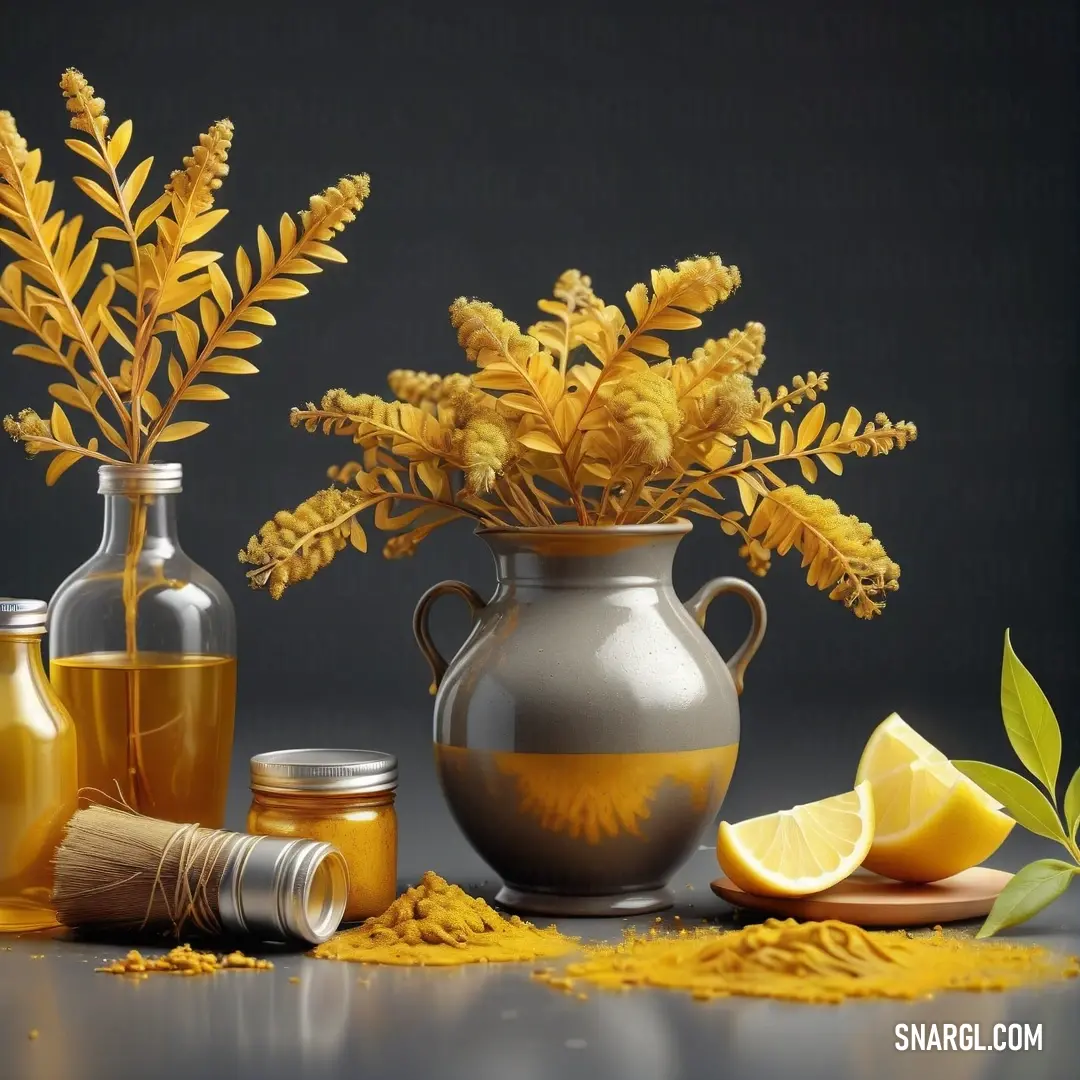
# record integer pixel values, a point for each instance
(586, 731)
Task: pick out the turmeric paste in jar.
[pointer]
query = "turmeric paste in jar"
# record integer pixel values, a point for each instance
(343, 797)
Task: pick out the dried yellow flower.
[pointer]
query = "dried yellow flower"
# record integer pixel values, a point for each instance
(644, 404)
(204, 168)
(295, 544)
(27, 427)
(364, 406)
(758, 558)
(11, 142)
(728, 404)
(87, 111)
(484, 440)
(575, 290)
(695, 284)
(423, 389)
(487, 335)
(330, 211)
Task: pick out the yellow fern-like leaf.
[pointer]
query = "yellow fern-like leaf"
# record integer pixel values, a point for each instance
(574, 306)
(739, 352)
(694, 285)
(404, 545)
(403, 428)
(294, 545)
(839, 551)
(802, 389)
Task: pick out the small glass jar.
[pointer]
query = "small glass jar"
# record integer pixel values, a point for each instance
(38, 773)
(344, 797)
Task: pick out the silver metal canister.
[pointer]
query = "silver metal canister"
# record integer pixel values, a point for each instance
(282, 890)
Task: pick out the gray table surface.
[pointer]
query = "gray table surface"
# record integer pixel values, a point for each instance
(489, 1021)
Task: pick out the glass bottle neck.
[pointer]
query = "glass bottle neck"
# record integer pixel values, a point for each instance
(20, 653)
(140, 522)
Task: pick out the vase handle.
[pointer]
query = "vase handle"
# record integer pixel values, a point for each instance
(423, 633)
(698, 605)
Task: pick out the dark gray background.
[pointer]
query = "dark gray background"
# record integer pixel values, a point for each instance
(896, 185)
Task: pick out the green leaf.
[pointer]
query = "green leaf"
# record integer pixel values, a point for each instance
(1029, 721)
(1018, 795)
(1031, 889)
(1072, 804)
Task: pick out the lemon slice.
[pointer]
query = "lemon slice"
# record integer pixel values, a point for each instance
(932, 821)
(799, 851)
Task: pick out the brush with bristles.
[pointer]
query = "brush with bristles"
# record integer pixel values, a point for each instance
(120, 871)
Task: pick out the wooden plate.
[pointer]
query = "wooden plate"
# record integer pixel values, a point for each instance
(866, 899)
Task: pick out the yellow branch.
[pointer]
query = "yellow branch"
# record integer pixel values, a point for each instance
(226, 324)
(446, 454)
(62, 294)
(145, 329)
(82, 451)
(266, 568)
(849, 571)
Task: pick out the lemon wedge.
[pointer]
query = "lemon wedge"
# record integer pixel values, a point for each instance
(799, 851)
(932, 821)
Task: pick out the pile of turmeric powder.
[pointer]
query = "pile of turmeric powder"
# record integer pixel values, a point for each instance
(439, 924)
(183, 960)
(815, 962)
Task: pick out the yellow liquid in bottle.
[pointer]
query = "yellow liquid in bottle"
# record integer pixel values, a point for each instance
(156, 728)
(37, 784)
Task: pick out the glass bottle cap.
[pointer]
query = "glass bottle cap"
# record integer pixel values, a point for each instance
(333, 772)
(22, 614)
(155, 479)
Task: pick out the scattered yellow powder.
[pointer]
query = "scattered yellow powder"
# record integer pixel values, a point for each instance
(816, 962)
(438, 924)
(183, 960)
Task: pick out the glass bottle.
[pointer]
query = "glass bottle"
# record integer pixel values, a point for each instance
(143, 654)
(38, 784)
(342, 797)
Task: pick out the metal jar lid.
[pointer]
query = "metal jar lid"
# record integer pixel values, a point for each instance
(22, 615)
(165, 478)
(328, 772)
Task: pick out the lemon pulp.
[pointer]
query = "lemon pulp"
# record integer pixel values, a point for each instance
(799, 851)
(932, 821)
